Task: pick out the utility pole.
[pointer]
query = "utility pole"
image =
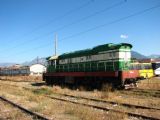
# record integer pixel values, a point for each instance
(55, 43)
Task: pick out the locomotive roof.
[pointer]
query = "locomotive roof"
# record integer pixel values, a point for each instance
(95, 50)
(53, 57)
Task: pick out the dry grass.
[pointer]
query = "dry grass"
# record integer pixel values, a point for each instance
(34, 100)
(106, 90)
(22, 78)
(43, 91)
(117, 96)
(11, 113)
(85, 113)
(54, 109)
(109, 95)
(152, 83)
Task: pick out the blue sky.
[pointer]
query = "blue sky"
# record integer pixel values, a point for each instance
(27, 27)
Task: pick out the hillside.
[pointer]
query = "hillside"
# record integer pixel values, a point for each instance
(6, 64)
(34, 61)
(154, 56)
(138, 55)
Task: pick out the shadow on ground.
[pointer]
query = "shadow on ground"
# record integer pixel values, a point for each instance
(38, 84)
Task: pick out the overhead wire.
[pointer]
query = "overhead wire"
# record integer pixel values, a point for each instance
(64, 15)
(112, 22)
(68, 25)
(104, 25)
(55, 19)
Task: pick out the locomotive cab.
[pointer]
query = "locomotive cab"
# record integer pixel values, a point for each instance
(52, 63)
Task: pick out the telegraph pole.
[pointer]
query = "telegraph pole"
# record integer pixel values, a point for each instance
(55, 43)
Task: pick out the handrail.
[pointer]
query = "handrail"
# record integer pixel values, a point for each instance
(83, 67)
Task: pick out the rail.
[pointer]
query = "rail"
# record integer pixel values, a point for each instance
(106, 109)
(34, 114)
(103, 108)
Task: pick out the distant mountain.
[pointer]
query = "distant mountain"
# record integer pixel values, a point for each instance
(28, 63)
(137, 55)
(154, 56)
(36, 60)
(6, 64)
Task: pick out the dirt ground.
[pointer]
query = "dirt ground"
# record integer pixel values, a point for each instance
(146, 95)
(8, 112)
(52, 108)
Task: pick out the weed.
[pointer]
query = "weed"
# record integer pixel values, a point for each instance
(45, 91)
(85, 113)
(106, 89)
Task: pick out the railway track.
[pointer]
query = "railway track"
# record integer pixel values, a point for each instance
(106, 109)
(102, 101)
(111, 102)
(27, 111)
(16, 80)
(143, 93)
(146, 91)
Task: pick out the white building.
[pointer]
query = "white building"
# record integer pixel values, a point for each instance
(37, 69)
